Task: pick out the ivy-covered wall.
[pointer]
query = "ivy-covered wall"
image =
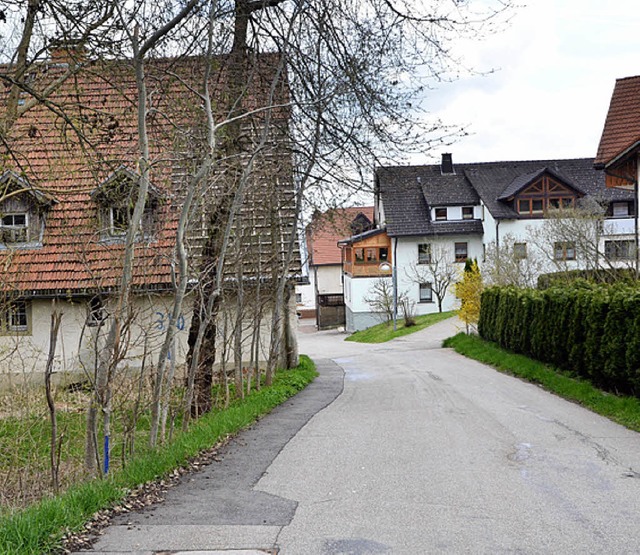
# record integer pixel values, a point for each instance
(590, 330)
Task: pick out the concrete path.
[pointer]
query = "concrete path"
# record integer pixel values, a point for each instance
(422, 452)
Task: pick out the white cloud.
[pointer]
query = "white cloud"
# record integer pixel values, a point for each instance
(557, 62)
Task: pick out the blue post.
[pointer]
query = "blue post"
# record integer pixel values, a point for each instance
(106, 454)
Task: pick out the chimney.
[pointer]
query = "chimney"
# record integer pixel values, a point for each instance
(446, 166)
(67, 52)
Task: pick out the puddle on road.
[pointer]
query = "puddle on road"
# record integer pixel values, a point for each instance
(353, 372)
(522, 453)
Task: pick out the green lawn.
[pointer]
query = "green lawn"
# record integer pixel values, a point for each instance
(384, 332)
(623, 410)
(39, 528)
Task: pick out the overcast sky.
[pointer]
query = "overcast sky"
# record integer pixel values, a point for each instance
(556, 66)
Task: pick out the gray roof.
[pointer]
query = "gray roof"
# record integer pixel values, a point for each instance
(408, 192)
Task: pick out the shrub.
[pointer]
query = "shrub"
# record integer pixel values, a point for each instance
(591, 330)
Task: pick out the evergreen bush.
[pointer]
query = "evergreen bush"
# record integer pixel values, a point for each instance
(589, 329)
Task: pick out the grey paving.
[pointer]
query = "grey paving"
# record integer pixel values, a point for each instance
(422, 452)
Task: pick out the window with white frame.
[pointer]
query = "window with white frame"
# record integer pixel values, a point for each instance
(97, 312)
(120, 218)
(425, 293)
(461, 252)
(620, 249)
(519, 251)
(564, 250)
(441, 214)
(467, 212)
(15, 317)
(15, 228)
(424, 253)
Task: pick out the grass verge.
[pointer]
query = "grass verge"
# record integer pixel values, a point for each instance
(623, 410)
(39, 528)
(384, 332)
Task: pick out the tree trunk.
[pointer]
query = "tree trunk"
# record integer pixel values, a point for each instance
(56, 318)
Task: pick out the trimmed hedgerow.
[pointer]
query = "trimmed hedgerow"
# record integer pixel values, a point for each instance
(591, 330)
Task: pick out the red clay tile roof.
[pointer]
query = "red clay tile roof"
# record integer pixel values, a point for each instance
(622, 126)
(73, 144)
(325, 230)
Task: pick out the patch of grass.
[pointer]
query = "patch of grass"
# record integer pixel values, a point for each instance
(39, 528)
(384, 332)
(623, 410)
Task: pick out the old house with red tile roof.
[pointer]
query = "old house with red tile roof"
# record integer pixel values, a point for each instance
(68, 182)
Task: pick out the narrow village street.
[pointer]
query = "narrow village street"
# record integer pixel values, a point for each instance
(405, 448)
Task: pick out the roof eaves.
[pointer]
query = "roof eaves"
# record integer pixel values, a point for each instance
(360, 236)
(619, 157)
(23, 184)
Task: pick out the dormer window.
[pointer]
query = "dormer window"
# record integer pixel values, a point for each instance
(22, 212)
(534, 194)
(116, 198)
(441, 214)
(467, 212)
(120, 218)
(15, 228)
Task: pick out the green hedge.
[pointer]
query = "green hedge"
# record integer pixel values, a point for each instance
(592, 330)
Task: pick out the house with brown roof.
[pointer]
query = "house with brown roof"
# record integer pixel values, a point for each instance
(438, 216)
(68, 183)
(619, 149)
(619, 146)
(325, 259)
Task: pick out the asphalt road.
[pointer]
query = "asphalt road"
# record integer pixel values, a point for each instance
(406, 448)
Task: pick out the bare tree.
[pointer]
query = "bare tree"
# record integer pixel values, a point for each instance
(380, 298)
(514, 262)
(572, 237)
(438, 270)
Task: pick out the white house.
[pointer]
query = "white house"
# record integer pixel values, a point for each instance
(437, 216)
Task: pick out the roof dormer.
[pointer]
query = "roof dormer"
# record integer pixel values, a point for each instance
(116, 198)
(22, 212)
(533, 194)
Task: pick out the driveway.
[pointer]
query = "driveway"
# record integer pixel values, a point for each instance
(407, 448)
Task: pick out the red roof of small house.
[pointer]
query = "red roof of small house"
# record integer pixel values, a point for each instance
(621, 131)
(76, 141)
(326, 229)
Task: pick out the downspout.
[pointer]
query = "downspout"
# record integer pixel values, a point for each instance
(394, 278)
(498, 244)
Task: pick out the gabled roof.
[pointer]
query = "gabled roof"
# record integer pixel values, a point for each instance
(621, 132)
(89, 139)
(326, 229)
(16, 185)
(523, 181)
(407, 199)
(120, 174)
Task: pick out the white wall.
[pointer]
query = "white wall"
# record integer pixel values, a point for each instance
(454, 213)
(76, 346)
(308, 294)
(27, 353)
(407, 261)
(329, 279)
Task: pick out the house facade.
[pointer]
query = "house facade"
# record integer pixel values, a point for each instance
(618, 153)
(68, 183)
(325, 259)
(512, 217)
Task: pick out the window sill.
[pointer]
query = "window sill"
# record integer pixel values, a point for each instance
(426, 302)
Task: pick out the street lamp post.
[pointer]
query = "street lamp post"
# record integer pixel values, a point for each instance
(385, 267)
